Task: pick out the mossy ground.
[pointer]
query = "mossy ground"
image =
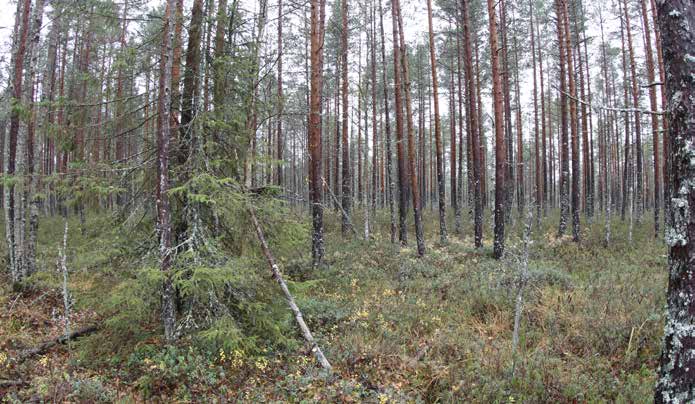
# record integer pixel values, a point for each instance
(396, 328)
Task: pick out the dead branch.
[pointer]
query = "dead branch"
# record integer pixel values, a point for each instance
(12, 383)
(306, 333)
(335, 199)
(602, 107)
(44, 347)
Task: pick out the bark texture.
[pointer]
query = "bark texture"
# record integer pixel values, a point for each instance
(676, 383)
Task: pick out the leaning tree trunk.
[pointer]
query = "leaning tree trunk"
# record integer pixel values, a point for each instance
(676, 382)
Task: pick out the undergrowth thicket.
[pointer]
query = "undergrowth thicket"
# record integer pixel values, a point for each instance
(396, 328)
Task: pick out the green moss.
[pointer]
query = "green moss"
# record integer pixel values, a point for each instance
(438, 328)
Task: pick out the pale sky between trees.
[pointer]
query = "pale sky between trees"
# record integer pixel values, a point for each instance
(415, 15)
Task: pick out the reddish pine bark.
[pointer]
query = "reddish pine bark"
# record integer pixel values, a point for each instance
(347, 181)
(500, 147)
(419, 231)
(654, 118)
(437, 130)
(315, 190)
(474, 129)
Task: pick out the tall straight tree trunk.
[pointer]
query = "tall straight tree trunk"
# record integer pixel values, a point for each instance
(315, 190)
(500, 152)
(360, 93)
(481, 131)
(564, 133)
(639, 197)
(654, 118)
(189, 104)
(627, 166)
(552, 151)
(452, 147)
(32, 146)
(400, 153)
(591, 197)
(505, 66)
(462, 125)
(520, 170)
(218, 61)
(664, 122)
(536, 145)
(47, 98)
(347, 180)
(176, 67)
(417, 213)
(191, 83)
(209, 4)
(586, 161)
(163, 136)
(120, 103)
(605, 195)
(281, 101)
(336, 157)
(677, 364)
(387, 126)
(375, 150)
(252, 123)
(576, 189)
(473, 128)
(12, 191)
(437, 130)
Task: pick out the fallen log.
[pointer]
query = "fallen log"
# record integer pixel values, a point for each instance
(306, 333)
(12, 383)
(44, 347)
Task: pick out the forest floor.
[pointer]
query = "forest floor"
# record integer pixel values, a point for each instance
(395, 327)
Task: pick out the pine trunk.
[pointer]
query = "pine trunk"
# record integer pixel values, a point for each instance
(500, 146)
(315, 190)
(676, 379)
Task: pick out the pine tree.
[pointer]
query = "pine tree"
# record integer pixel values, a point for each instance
(675, 382)
(500, 146)
(315, 146)
(437, 130)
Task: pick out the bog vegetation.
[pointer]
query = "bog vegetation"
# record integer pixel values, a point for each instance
(347, 201)
(395, 327)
